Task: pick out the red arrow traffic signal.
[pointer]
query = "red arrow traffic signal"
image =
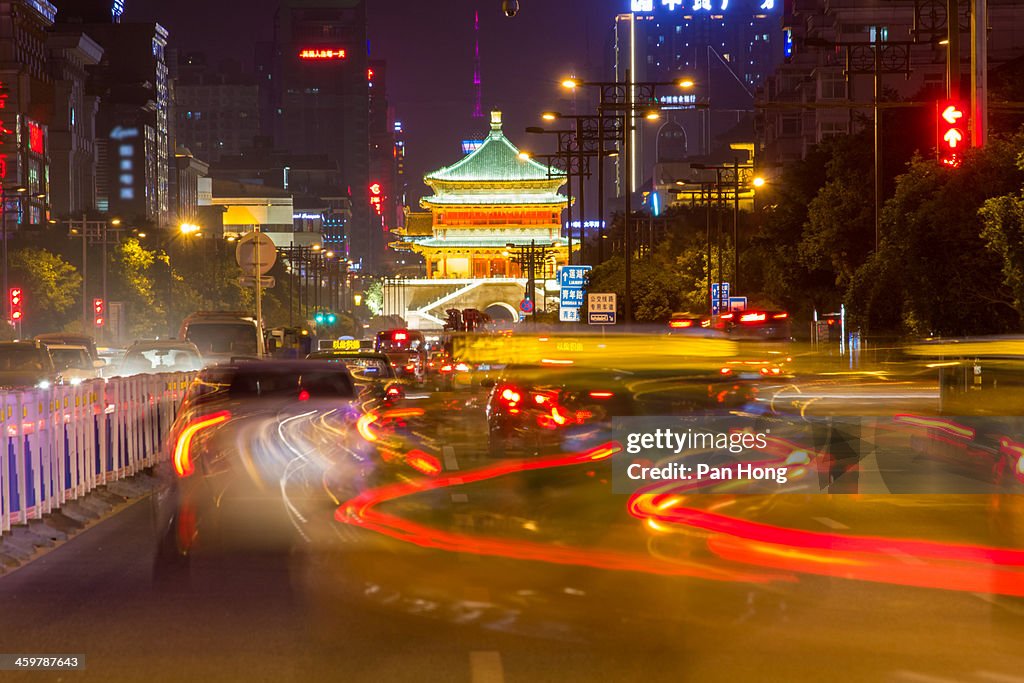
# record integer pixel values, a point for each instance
(950, 136)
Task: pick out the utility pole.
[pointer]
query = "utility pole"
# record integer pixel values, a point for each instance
(979, 73)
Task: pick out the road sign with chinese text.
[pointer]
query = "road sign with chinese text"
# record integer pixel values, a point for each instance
(601, 308)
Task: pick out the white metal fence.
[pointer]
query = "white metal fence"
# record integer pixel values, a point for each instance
(64, 441)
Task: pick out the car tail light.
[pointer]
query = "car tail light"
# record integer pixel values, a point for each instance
(770, 371)
(680, 324)
(601, 394)
(400, 336)
(183, 464)
(394, 392)
(780, 316)
(446, 368)
(410, 367)
(726, 371)
(424, 463)
(727, 316)
(462, 367)
(303, 395)
(753, 317)
(510, 396)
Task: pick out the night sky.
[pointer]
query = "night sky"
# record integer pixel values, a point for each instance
(428, 46)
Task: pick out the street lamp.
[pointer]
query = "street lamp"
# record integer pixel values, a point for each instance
(189, 228)
(625, 98)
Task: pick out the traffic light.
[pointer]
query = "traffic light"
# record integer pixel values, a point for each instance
(951, 133)
(99, 312)
(325, 318)
(16, 301)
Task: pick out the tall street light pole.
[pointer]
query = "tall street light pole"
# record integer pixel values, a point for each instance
(625, 98)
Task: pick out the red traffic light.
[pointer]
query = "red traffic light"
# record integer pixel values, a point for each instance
(16, 300)
(99, 310)
(950, 133)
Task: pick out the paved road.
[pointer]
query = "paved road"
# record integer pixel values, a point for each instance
(373, 610)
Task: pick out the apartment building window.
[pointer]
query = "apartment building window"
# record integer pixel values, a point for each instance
(832, 86)
(830, 129)
(878, 34)
(790, 125)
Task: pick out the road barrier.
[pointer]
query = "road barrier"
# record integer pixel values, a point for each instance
(66, 440)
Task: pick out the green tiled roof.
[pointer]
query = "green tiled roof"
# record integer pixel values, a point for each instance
(496, 160)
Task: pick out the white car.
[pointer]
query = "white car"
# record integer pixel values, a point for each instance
(74, 363)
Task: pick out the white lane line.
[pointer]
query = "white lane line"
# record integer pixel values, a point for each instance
(485, 667)
(903, 556)
(923, 678)
(996, 677)
(450, 463)
(830, 523)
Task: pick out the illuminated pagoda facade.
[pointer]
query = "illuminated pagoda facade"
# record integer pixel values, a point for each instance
(492, 198)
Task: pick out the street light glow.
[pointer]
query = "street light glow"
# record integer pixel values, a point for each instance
(758, 181)
(524, 156)
(686, 83)
(652, 116)
(189, 228)
(549, 116)
(570, 83)
(116, 222)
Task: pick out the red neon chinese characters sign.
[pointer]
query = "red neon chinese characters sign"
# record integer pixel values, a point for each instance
(323, 53)
(35, 137)
(377, 198)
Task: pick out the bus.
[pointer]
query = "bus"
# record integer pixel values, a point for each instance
(223, 335)
(399, 341)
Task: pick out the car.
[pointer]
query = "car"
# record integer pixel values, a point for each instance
(245, 475)
(74, 363)
(223, 335)
(408, 365)
(754, 324)
(27, 364)
(534, 410)
(72, 339)
(160, 355)
(372, 372)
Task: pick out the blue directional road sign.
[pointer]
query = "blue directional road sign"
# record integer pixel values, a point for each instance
(571, 280)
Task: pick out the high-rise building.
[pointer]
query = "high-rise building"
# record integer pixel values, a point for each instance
(727, 47)
(72, 123)
(216, 111)
(825, 87)
(320, 101)
(25, 101)
(384, 190)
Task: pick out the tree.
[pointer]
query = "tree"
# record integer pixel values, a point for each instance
(936, 273)
(50, 286)
(1003, 232)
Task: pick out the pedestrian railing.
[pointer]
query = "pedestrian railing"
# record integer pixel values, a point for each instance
(64, 441)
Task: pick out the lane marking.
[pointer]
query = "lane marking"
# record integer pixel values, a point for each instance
(485, 667)
(830, 523)
(450, 463)
(903, 556)
(998, 677)
(924, 678)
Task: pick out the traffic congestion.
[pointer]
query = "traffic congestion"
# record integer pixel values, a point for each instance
(683, 477)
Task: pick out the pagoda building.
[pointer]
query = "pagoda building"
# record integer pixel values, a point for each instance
(492, 198)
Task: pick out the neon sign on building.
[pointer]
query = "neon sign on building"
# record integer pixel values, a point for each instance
(323, 54)
(377, 198)
(651, 6)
